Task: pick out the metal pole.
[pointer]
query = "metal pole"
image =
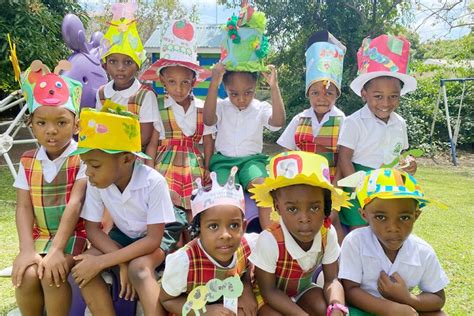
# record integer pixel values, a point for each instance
(435, 114)
(450, 133)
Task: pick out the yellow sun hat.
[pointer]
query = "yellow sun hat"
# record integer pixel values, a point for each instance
(298, 167)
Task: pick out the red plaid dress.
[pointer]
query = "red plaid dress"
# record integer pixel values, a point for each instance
(178, 157)
(201, 269)
(325, 144)
(134, 102)
(49, 201)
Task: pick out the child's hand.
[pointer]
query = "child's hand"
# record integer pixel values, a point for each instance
(54, 268)
(218, 72)
(247, 304)
(409, 165)
(393, 287)
(218, 310)
(21, 263)
(127, 292)
(207, 177)
(86, 268)
(272, 77)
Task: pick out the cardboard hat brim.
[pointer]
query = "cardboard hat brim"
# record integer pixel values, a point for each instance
(422, 200)
(409, 82)
(153, 72)
(83, 150)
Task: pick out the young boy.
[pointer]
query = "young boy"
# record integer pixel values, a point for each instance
(288, 253)
(382, 263)
(123, 54)
(138, 200)
(240, 118)
(375, 135)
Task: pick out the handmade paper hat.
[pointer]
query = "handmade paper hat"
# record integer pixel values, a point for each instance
(244, 45)
(178, 48)
(122, 36)
(386, 55)
(298, 167)
(110, 132)
(228, 194)
(324, 60)
(43, 88)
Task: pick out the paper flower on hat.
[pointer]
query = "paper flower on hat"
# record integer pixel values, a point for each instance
(14, 59)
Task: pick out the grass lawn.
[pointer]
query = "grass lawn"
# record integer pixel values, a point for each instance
(450, 232)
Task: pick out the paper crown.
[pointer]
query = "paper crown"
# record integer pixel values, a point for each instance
(44, 88)
(244, 46)
(228, 194)
(178, 48)
(324, 59)
(298, 167)
(110, 132)
(386, 55)
(122, 36)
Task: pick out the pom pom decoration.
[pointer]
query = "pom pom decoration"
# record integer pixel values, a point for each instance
(232, 29)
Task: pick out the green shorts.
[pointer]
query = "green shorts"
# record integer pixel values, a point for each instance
(350, 216)
(354, 311)
(250, 167)
(121, 238)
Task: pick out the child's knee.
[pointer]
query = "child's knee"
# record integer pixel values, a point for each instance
(30, 278)
(139, 270)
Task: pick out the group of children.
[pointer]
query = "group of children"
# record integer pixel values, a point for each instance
(103, 202)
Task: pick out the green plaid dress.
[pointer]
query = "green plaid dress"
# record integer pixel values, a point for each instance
(49, 201)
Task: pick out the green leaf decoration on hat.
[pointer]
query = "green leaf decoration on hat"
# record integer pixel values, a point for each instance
(232, 28)
(130, 130)
(257, 21)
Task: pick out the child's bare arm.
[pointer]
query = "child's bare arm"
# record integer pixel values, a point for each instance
(151, 148)
(209, 112)
(146, 129)
(333, 290)
(344, 162)
(278, 109)
(273, 296)
(208, 143)
(247, 302)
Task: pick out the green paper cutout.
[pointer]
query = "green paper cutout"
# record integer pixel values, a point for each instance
(416, 152)
(395, 45)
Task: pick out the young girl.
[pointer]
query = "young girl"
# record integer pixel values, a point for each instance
(50, 189)
(288, 253)
(205, 269)
(180, 128)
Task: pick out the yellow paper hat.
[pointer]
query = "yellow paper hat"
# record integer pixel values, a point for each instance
(298, 167)
(110, 132)
(122, 36)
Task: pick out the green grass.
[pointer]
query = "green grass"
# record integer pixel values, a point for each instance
(449, 231)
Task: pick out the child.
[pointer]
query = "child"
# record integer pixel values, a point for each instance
(375, 135)
(380, 264)
(288, 253)
(317, 129)
(50, 190)
(123, 55)
(241, 118)
(220, 251)
(180, 128)
(138, 200)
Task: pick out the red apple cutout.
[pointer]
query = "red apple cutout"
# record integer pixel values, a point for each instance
(183, 30)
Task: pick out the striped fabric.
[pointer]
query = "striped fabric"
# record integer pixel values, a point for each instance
(49, 201)
(291, 279)
(325, 144)
(134, 102)
(178, 158)
(201, 269)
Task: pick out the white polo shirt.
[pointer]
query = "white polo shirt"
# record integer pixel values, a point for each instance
(148, 109)
(145, 201)
(185, 120)
(240, 132)
(287, 138)
(363, 258)
(374, 142)
(50, 168)
(266, 251)
(174, 280)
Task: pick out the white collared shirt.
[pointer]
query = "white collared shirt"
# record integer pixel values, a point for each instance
(145, 201)
(50, 168)
(374, 142)
(148, 109)
(287, 138)
(363, 258)
(266, 251)
(240, 132)
(185, 120)
(174, 280)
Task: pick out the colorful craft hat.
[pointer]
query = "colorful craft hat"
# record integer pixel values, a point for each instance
(324, 60)
(388, 183)
(178, 48)
(122, 36)
(386, 55)
(44, 88)
(298, 167)
(228, 194)
(244, 45)
(110, 132)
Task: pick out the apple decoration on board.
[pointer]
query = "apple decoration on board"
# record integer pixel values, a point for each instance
(183, 30)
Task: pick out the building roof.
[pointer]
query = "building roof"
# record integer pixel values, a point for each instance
(208, 39)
